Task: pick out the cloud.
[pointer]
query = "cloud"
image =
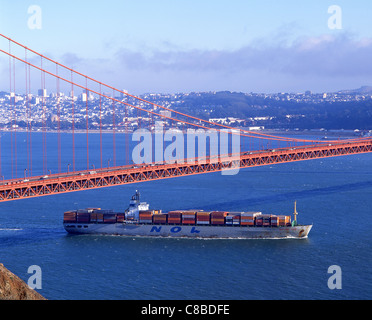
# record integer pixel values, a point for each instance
(324, 55)
(71, 59)
(327, 62)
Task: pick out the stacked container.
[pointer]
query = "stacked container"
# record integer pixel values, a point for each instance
(93, 217)
(250, 218)
(202, 218)
(174, 217)
(69, 216)
(145, 216)
(99, 217)
(266, 220)
(159, 218)
(120, 217)
(188, 217)
(233, 218)
(259, 221)
(218, 217)
(284, 221)
(83, 216)
(109, 218)
(274, 221)
(229, 220)
(97, 214)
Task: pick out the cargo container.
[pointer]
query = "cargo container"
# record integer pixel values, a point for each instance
(233, 218)
(250, 222)
(120, 217)
(69, 216)
(174, 217)
(198, 222)
(93, 217)
(83, 216)
(284, 221)
(145, 217)
(236, 220)
(188, 221)
(145, 214)
(99, 217)
(102, 211)
(203, 214)
(218, 217)
(202, 218)
(218, 214)
(147, 221)
(174, 220)
(229, 220)
(109, 218)
(217, 221)
(274, 222)
(266, 220)
(258, 221)
(188, 217)
(71, 212)
(249, 218)
(159, 218)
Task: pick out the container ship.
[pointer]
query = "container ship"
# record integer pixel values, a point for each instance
(139, 220)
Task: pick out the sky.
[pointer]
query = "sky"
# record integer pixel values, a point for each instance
(173, 46)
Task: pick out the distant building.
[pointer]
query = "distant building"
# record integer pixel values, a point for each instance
(42, 93)
(35, 100)
(72, 95)
(83, 97)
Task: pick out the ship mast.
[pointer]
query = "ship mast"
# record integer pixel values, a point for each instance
(295, 213)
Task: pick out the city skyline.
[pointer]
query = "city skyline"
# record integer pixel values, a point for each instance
(190, 46)
(53, 110)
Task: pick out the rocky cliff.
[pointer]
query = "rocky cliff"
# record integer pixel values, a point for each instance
(13, 288)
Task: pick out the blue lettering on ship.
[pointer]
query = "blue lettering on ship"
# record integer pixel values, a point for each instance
(174, 229)
(193, 230)
(157, 229)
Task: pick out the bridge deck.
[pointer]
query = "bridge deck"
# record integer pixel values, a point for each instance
(85, 180)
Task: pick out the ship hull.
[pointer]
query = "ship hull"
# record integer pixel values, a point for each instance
(189, 231)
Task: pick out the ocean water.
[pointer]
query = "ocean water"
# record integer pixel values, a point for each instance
(334, 194)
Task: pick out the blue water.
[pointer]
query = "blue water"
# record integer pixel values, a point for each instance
(334, 194)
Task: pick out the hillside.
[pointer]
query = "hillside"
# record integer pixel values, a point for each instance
(13, 288)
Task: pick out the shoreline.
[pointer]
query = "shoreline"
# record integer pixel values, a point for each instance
(278, 132)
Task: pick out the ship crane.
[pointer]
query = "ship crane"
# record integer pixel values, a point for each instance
(295, 213)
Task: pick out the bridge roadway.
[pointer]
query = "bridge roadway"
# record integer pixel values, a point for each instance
(84, 180)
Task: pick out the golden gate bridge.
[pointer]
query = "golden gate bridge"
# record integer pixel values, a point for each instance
(28, 70)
